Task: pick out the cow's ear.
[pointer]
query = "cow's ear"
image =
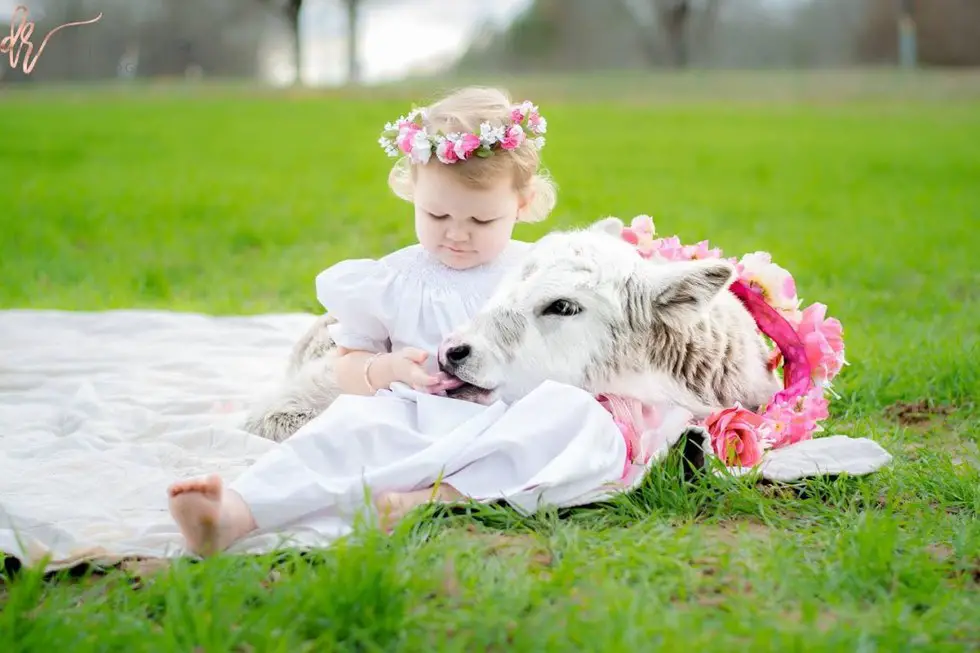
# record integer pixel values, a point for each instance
(676, 289)
(610, 225)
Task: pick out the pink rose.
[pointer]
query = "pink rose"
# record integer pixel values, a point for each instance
(630, 236)
(405, 136)
(517, 114)
(466, 145)
(445, 152)
(823, 340)
(737, 436)
(512, 138)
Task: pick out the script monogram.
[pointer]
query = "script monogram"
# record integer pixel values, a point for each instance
(20, 37)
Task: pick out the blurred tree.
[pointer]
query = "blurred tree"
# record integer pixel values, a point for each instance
(290, 10)
(353, 68)
(947, 31)
(184, 38)
(585, 35)
(147, 38)
(681, 21)
(556, 35)
(69, 52)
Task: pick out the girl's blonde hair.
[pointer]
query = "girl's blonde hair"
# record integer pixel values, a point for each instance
(463, 111)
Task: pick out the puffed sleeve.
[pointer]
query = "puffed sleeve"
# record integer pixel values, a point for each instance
(354, 292)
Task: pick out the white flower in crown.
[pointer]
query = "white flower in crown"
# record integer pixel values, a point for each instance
(388, 145)
(421, 147)
(491, 134)
(526, 111)
(527, 107)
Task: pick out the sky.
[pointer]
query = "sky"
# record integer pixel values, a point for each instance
(396, 36)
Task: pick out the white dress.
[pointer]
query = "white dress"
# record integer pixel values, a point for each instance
(555, 446)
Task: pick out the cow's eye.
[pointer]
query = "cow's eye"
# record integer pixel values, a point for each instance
(562, 307)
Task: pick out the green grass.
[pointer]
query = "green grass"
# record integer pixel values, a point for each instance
(231, 202)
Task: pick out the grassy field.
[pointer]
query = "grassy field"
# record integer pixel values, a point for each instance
(232, 202)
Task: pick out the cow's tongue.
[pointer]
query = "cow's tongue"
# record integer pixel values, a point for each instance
(447, 382)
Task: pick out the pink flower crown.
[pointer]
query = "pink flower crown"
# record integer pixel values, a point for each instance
(808, 350)
(409, 135)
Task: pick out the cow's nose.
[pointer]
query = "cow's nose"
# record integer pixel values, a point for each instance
(458, 354)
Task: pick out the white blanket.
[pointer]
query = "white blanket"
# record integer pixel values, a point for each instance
(100, 412)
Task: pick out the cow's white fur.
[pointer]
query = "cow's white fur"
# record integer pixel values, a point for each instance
(636, 323)
(623, 341)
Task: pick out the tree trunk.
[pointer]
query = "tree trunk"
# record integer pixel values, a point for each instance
(292, 10)
(353, 69)
(675, 16)
(946, 32)
(704, 28)
(645, 16)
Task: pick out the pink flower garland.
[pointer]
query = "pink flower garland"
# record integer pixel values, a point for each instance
(411, 136)
(809, 354)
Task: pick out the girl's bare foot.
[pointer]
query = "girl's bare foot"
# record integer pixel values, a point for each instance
(209, 519)
(393, 506)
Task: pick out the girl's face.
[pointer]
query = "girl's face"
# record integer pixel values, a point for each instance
(461, 226)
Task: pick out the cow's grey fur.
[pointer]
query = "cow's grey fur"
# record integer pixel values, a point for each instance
(309, 386)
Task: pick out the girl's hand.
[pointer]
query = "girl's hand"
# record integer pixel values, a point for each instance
(406, 366)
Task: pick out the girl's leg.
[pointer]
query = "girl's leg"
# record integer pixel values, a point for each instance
(555, 444)
(210, 517)
(393, 506)
(552, 446)
(284, 485)
(322, 468)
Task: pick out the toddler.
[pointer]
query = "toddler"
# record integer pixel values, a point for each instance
(470, 165)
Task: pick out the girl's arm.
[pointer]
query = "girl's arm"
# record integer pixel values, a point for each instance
(349, 371)
(403, 366)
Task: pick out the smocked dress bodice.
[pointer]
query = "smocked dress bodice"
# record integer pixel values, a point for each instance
(407, 298)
